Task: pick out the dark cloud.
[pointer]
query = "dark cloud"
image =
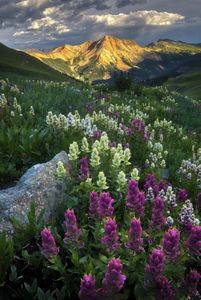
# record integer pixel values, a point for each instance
(49, 23)
(122, 3)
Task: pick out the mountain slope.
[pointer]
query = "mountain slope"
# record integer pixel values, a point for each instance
(169, 46)
(101, 59)
(95, 59)
(19, 62)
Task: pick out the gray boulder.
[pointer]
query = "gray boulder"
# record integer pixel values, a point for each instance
(39, 185)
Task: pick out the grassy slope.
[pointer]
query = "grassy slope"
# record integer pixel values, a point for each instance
(13, 61)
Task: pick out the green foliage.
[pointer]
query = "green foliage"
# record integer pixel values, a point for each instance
(7, 256)
(26, 233)
(122, 84)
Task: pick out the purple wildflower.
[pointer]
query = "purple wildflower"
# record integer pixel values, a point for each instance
(112, 144)
(72, 232)
(162, 185)
(114, 278)
(105, 208)
(164, 289)
(110, 238)
(138, 124)
(49, 247)
(135, 200)
(149, 182)
(182, 195)
(191, 282)
(157, 217)
(84, 168)
(97, 134)
(93, 204)
(171, 244)
(194, 241)
(88, 288)
(154, 268)
(135, 236)
(156, 186)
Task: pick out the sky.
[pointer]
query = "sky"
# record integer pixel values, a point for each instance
(46, 24)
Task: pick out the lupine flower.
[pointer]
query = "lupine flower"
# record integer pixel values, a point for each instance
(164, 289)
(194, 241)
(95, 158)
(73, 151)
(171, 244)
(157, 217)
(135, 174)
(191, 282)
(126, 156)
(105, 208)
(104, 142)
(169, 221)
(102, 181)
(182, 195)
(135, 199)
(88, 288)
(85, 145)
(154, 269)
(48, 247)
(114, 278)
(187, 216)
(149, 195)
(116, 161)
(93, 204)
(135, 236)
(110, 238)
(121, 180)
(72, 231)
(61, 171)
(84, 168)
(169, 197)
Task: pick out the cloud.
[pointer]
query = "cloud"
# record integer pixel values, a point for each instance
(122, 3)
(41, 23)
(151, 18)
(49, 23)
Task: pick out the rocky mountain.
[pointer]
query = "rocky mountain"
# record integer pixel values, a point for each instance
(101, 59)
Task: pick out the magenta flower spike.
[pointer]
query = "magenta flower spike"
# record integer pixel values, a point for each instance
(164, 289)
(191, 282)
(194, 241)
(84, 168)
(105, 208)
(88, 288)
(114, 279)
(135, 242)
(154, 269)
(157, 217)
(48, 247)
(93, 204)
(171, 244)
(110, 238)
(72, 233)
(135, 200)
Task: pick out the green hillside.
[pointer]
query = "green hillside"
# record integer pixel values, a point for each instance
(169, 46)
(13, 61)
(189, 84)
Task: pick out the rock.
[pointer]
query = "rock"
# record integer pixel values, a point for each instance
(39, 185)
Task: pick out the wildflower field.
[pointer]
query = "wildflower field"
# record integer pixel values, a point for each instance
(129, 227)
